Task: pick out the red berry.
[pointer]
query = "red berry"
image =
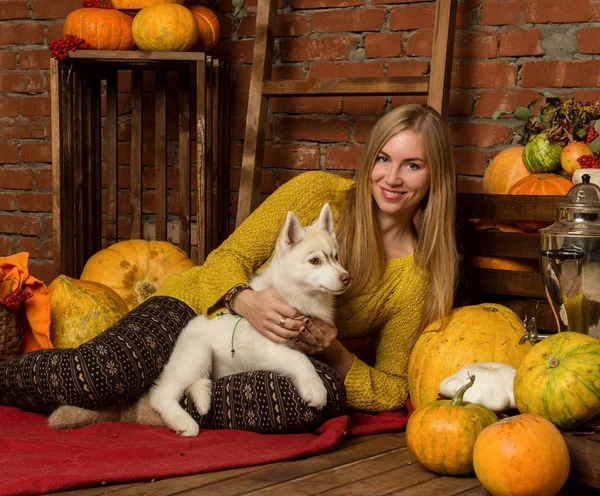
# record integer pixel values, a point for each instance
(592, 134)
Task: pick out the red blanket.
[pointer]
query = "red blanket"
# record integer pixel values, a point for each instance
(36, 460)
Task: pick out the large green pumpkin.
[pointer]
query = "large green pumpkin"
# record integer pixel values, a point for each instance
(560, 379)
(541, 155)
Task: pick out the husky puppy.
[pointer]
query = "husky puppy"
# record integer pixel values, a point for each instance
(305, 272)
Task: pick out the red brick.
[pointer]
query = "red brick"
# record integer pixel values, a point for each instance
(35, 202)
(391, 2)
(324, 48)
(469, 160)
(364, 105)
(383, 45)
(9, 154)
(42, 270)
(8, 60)
(34, 105)
(8, 201)
(54, 30)
(28, 245)
(345, 157)
(21, 82)
(362, 129)
(23, 33)
(34, 59)
(483, 74)
(362, 69)
(51, 9)
(45, 249)
(419, 43)
(546, 11)
(292, 156)
(16, 178)
(323, 4)
(20, 224)
(243, 74)
(6, 246)
(36, 152)
(488, 102)
(14, 9)
(288, 24)
(268, 180)
(478, 134)
(471, 184)
(24, 128)
(587, 95)
(235, 51)
(9, 106)
(412, 17)
(307, 105)
(561, 74)
(521, 43)
(43, 178)
(411, 68)
(476, 45)
(347, 20)
(500, 13)
(588, 40)
(317, 129)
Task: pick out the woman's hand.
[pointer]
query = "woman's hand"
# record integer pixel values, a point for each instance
(266, 312)
(316, 335)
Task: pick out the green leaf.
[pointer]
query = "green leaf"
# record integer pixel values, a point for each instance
(595, 145)
(499, 113)
(238, 4)
(547, 94)
(523, 113)
(597, 126)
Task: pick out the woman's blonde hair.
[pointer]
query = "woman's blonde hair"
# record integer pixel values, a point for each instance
(361, 250)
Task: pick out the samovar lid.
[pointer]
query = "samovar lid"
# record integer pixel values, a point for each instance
(585, 193)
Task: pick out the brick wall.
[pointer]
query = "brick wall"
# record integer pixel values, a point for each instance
(506, 51)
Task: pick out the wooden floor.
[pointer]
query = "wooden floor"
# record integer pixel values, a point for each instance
(369, 465)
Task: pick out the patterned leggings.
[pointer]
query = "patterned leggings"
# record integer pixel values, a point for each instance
(122, 362)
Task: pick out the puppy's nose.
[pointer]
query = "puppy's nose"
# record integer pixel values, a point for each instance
(345, 278)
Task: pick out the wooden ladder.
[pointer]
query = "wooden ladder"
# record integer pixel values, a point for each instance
(436, 86)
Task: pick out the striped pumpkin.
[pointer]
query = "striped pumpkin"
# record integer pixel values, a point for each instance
(541, 155)
(560, 379)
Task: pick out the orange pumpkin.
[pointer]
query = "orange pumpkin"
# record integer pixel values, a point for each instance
(209, 28)
(505, 170)
(165, 27)
(441, 434)
(540, 184)
(570, 154)
(136, 269)
(524, 455)
(498, 263)
(140, 4)
(103, 29)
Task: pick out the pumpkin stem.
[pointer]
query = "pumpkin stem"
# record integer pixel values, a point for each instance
(458, 397)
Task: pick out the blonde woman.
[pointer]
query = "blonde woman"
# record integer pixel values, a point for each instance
(395, 226)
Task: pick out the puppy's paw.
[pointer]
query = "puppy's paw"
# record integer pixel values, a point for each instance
(314, 393)
(70, 417)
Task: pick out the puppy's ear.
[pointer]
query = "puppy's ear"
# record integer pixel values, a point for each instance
(325, 221)
(292, 231)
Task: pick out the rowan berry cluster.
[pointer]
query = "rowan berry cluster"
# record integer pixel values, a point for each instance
(14, 300)
(97, 4)
(589, 161)
(591, 135)
(61, 47)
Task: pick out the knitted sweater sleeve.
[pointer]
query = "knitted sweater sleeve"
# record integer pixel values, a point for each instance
(249, 246)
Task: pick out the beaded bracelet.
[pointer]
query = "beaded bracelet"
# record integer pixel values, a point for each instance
(232, 294)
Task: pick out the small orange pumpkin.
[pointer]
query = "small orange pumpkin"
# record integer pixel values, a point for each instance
(209, 28)
(441, 434)
(498, 263)
(103, 29)
(505, 170)
(540, 184)
(523, 455)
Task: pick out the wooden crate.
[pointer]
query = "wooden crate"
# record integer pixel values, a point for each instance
(83, 140)
(524, 292)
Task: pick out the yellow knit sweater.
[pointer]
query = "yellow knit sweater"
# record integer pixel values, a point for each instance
(392, 312)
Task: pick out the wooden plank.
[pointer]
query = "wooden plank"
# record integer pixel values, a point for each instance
(448, 486)
(499, 244)
(505, 282)
(216, 138)
(80, 228)
(57, 160)
(440, 68)
(227, 97)
(209, 157)
(137, 82)
(111, 124)
(507, 207)
(185, 197)
(258, 108)
(200, 74)
(348, 86)
(160, 154)
(134, 56)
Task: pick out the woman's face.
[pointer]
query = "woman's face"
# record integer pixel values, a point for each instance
(400, 178)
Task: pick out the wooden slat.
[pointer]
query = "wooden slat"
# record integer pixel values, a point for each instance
(184, 162)
(209, 199)
(440, 68)
(258, 108)
(111, 124)
(506, 282)
(80, 228)
(137, 81)
(216, 138)
(507, 207)
(351, 86)
(448, 486)
(132, 57)
(201, 158)
(160, 154)
(224, 156)
(499, 244)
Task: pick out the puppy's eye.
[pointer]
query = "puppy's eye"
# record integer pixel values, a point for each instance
(315, 261)
(336, 257)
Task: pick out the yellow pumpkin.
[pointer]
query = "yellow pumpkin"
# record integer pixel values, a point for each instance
(165, 27)
(140, 4)
(80, 310)
(137, 268)
(478, 333)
